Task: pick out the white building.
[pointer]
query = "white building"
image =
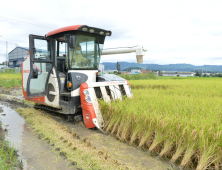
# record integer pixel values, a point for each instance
(135, 71)
(177, 74)
(207, 74)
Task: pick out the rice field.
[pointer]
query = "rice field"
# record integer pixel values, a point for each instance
(10, 80)
(177, 119)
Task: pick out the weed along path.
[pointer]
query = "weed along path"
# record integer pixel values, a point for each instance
(65, 145)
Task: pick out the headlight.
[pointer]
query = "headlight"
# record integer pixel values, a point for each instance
(101, 32)
(108, 34)
(91, 30)
(86, 92)
(88, 99)
(85, 29)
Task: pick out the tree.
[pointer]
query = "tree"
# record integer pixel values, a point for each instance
(197, 74)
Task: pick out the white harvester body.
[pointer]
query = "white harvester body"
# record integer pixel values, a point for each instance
(67, 81)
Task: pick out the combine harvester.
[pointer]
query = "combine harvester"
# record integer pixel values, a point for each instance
(61, 73)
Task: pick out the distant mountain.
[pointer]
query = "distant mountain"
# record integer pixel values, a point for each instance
(169, 67)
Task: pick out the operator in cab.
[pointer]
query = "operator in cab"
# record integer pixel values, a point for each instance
(77, 58)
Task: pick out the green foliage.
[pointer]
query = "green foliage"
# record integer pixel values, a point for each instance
(217, 75)
(198, 74)
(141, 76)
(8, 158)
(178, 118)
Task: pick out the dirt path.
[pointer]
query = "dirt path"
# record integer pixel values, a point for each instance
(37, 154)
(122, 151)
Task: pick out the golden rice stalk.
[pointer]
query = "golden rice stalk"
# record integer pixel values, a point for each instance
(167, 146)
(191, 148)
(120, 128)
(207, 157)
(107, 124)
(146, 135)
(115, 127)
(159, 137)
(217, 165)
(110, 124)
(180, 149)
(126, 131)
(135, 134)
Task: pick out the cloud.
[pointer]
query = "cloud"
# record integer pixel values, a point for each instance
(172, 31)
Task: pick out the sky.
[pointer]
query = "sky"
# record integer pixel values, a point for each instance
(172, 31)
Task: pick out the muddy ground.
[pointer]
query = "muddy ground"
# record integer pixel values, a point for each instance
(37, 154)
(6, 148)
(34, 153)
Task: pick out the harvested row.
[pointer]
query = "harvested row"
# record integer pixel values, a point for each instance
(182, 123)
(78, 153)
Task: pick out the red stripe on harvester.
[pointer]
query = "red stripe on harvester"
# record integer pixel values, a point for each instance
(26, 71)
(36, 67)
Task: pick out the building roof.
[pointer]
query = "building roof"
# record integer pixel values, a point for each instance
(24, 48)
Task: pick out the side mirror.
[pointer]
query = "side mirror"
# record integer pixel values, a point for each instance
(72, 40)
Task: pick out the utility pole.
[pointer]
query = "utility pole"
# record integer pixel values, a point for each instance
(6, 52)
(118, 66)
(6, 55)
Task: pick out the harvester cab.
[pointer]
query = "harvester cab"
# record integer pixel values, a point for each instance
(61, 73)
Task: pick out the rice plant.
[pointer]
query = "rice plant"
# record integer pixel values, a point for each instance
(178, 119)
(10, 80)
(138, 76)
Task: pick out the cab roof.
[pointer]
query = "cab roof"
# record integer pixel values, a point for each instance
(83, 28)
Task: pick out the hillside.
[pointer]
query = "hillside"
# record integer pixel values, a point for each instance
(169, 67)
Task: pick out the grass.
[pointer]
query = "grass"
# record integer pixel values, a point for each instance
(75, 150)
(8, 159)
(10, 80)
(178, 119)
(8, 155)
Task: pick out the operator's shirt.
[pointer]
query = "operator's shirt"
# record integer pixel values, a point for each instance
(78, 58)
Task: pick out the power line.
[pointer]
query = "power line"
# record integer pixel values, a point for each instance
(25, 22)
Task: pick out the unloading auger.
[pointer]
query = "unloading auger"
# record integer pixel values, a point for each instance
(61, 73)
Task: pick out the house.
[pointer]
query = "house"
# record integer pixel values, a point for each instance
(16, 56)
(146, 71)
(177, 74)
